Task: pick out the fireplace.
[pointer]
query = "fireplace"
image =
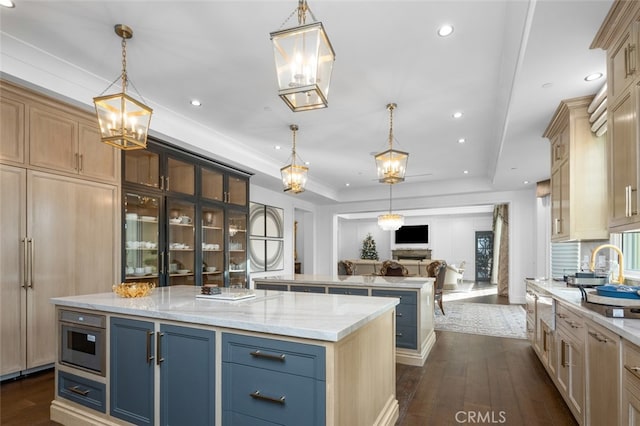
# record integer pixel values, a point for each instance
(411, 254)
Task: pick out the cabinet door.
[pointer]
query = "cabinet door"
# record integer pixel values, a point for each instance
(131, 373)
(237, 229)
(96, 159)
(142, 237)
(212, 245)
(187, 376)
(13, 244)
(623, 163)
(181, 242)
(603, 352)
(12, 129)
(631, 398)
(212, 184)
(560, 202)
(622, 64)
(181, 176)
(53, 139)
(142, 167)
(238, 191)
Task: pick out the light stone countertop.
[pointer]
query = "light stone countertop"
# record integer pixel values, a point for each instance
(626, 328)
(325, 317)
(349, 280)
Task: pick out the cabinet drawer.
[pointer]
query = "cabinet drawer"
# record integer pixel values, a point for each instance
(346, 290)
(570, 321)
(406, 297)
(631, 358)
(269, 354)
(285, 399)
(406, 336)
(307, 289)
(279, 287)
(406, 315)
(83, 391)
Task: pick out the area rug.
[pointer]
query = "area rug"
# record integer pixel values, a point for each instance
(485, 319)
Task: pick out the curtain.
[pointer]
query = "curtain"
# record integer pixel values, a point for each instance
(500, 270)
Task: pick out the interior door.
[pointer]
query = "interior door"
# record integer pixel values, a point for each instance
(484, 255)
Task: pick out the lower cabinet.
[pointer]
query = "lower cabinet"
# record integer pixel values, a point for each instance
(630, 385)
(406, 317)
(269, 382)
(570, 350)
(84, 391)
(348, 290)
(603, 355)
(185, 357)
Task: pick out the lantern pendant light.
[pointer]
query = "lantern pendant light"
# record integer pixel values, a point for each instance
(123, 120)
(390, 221)
(294, 175)
(391, 164)
(304, 61)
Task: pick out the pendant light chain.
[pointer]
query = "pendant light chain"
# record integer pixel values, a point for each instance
(390, 198)
(293, 151)
(124, 64)
(391, 107)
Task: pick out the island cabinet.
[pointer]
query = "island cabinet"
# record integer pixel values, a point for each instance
(630, 412)
(570, 351)
(275, 381)
(619, 35)
(184, 218)
(578, 175)
(414, 317)
(184, 357)
(603, 372)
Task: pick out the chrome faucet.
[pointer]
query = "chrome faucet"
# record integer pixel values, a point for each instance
(592, 264)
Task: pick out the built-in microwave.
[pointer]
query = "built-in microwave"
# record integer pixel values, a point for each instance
(83, 340)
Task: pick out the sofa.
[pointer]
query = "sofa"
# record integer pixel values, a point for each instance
(415, 268)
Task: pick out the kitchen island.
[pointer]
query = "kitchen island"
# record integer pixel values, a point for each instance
(276, 358)
(415, 316)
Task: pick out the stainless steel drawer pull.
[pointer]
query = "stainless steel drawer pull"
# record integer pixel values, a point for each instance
(159, 358)
(258, 395)
(259, 354)
(633, 370)
(598, 337)
(398, 334)
(79, 391)
(149, 352)
(398, 314)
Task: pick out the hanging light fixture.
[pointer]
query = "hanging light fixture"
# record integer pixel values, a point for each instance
(390, 221)
(124, 121)
(304, 61)
(391, 164)
(294, 175)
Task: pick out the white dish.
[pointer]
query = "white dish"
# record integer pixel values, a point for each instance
(174, 220)
(183, 271)
(150, 218)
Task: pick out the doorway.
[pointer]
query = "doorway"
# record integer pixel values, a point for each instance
(484, 255)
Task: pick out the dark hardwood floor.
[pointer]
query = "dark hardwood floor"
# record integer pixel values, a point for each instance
(467, 379)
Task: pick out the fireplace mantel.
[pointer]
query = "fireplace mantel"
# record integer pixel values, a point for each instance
(414, 254)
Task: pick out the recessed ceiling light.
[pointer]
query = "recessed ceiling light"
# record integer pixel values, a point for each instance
(445, 30)
(306, 163)
(347, 184)
(594, 76)
(466, 172)
(461, 140)
(526, 182)
(276, 147)
(196, 102)
(7, 3)
(457, 114)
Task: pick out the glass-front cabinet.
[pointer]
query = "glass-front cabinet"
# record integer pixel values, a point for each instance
(185, 219)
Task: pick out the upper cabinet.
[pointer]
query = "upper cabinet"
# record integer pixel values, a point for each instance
(578, 175)
(45, 134)
(619, 35)
(185, 218)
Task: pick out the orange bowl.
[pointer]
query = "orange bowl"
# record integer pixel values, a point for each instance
(133, 289)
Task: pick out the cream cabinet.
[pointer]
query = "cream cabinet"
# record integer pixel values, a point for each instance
(578, 174)
(619, 35)
(630, 412)
(42, 133)
(59, 238)
(603, 371)
(569, 352)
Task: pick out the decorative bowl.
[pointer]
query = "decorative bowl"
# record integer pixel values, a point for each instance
(133, 289)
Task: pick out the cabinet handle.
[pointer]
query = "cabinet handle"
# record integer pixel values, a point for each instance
(167, 180)
(544, 341)
(598, 337)
(80, 164)
(161, 183)
(573, 324)
(258, 395)
(631, 58)
(260, 354)
(76, 162)
(632, 212)
(149, 352)
(159, 358)
(399, 314)
(563, 354)
(398, 334)
(31, 257)
(162, 262)
(557, 225)
(633, 370)
(76, 389)
(25, 264)
(561, 315)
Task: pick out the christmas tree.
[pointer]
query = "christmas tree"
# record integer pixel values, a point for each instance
(369, 249)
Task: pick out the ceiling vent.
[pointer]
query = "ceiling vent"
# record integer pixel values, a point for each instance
(598, 112)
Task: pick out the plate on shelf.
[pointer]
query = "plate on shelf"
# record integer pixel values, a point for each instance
(148, 218)
(183, 271)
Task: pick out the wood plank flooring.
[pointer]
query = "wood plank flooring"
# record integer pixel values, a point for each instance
(467, 379)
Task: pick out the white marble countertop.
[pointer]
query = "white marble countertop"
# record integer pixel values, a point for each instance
(349, 280)
(325, 317)
(627, 328)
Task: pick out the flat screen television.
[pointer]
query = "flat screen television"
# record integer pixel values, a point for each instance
(413, 234)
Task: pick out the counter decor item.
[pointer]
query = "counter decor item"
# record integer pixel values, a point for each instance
(620, 291)
(133, 289)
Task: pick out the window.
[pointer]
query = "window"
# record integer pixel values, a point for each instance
(631, 251)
